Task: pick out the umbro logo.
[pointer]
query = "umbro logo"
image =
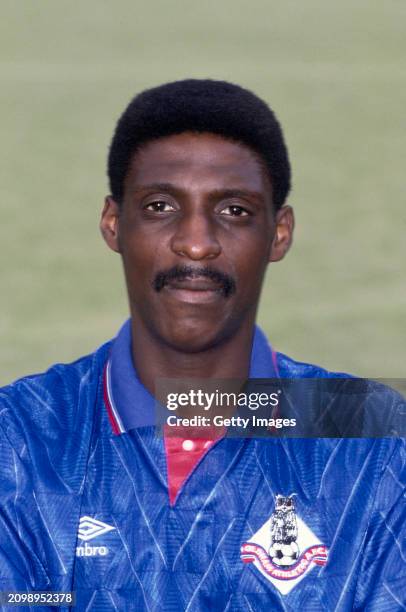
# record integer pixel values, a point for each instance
(90, 528)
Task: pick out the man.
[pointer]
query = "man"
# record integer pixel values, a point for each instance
(93, 501)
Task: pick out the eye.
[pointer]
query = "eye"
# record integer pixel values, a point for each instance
(159, 206)
(234, 211)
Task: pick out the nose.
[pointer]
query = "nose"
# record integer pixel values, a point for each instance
(195, 238)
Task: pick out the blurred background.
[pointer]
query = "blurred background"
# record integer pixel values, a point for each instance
(335, 74)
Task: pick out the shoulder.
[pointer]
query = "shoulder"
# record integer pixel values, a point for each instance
(49, 401)
(357, 406)
(290, 368)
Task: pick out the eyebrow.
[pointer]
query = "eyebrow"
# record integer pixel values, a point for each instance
(216, 193)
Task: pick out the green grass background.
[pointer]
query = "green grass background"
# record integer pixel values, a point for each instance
(335, 74)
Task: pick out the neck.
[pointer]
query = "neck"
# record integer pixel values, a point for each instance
(153, 359)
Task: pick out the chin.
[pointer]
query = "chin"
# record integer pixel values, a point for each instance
(193, 339)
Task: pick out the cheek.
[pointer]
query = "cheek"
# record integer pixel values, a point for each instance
(250, 259)
(142, 257)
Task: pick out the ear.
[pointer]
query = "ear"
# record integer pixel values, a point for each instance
(109, 224)
(284, 224)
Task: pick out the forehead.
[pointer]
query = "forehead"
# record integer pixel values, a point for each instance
(191, 157)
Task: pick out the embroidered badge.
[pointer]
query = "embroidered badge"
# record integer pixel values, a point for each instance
(284, 548)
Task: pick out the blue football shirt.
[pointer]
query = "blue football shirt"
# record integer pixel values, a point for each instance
(260, 524)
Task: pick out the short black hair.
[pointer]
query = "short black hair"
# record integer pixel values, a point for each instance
(200, 105)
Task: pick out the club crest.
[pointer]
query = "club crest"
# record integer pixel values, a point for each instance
(284, 548)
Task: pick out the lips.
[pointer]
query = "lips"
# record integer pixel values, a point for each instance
(198, 283)
(199, 290)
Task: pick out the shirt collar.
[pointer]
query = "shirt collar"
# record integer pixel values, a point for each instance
(130, 405)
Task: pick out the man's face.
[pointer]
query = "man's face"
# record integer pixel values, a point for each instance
(196, 230)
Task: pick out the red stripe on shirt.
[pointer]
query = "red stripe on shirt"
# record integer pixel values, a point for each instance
(114, 425)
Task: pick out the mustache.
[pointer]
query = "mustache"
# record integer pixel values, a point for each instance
(226, 283)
